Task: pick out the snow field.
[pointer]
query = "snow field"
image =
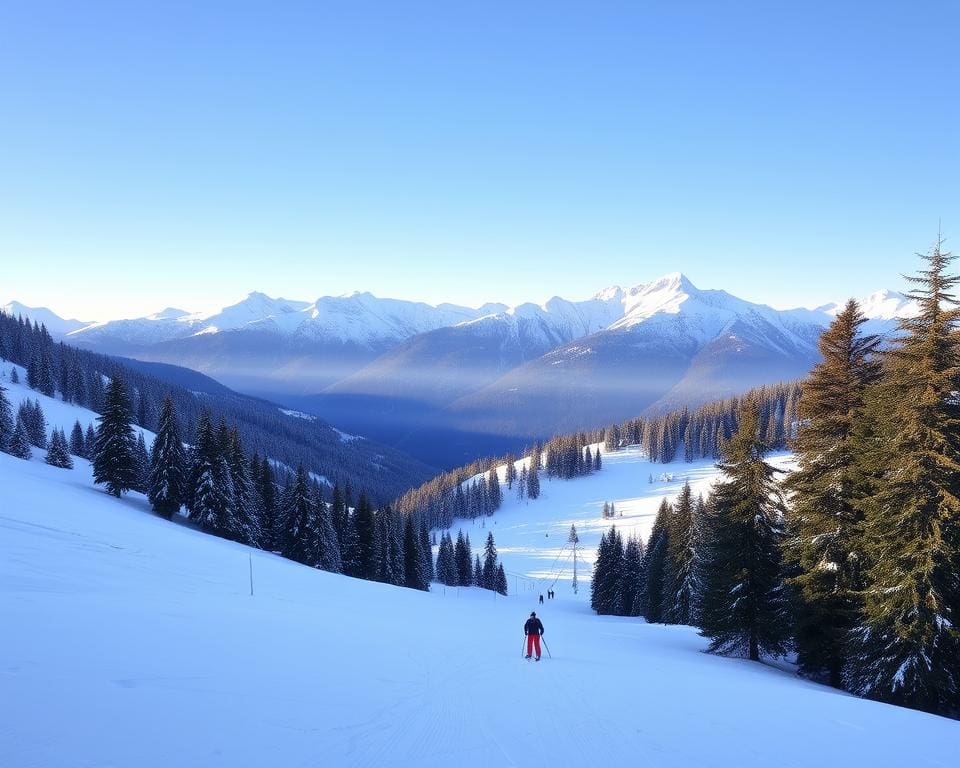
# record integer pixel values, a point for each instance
(132, 641)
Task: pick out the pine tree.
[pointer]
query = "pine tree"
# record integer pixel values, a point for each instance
(114, 453)
(89, 442)
(350, 546)
(168, 465)
(533, 476)
(77, 444)
(427, 549)
(19, 443)
(678, 585)
(489, 570)
(142, 461)
(247, 514)
(209, 490)
(744, 607)
(906, 649)
(414, 573)
(824, 551)
(298, 511)
(606, 595)
(6, 421)
(58, 453)
(463, 561)
(366, 533)
(632, 574)
(500, 585)
(650, 594)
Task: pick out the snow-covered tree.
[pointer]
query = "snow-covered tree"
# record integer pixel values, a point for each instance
(168, 464)
(58, 452)
(114, 453)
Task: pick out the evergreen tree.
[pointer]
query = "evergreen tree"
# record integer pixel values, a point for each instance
(299, 509)
(350, 546)
(533, 476)
(415, 575)
(77, 444)
(650, 594)
(114, 453)
(678, 575)
(744, 608)
(824, 551)
(19, 443)
(489, 571)
(463, 561)
(632, 574)
(501, 582)
(427, 549)
(366, 534)
(58, 453)
(89, 442)
(141, 458)
(906, 649)
(446, 567)
(606, 596)
(34, 421)
(209, 492)
(478, 572)
(494, 495)
(6, 421)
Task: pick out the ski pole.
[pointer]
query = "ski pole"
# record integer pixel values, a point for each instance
(523, 648)
(549, 655)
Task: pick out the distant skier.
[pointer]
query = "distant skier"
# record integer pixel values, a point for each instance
(533, 629)
(541, 599)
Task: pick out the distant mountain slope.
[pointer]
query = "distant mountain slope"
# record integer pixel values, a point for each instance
(265, 427)
(449, 383)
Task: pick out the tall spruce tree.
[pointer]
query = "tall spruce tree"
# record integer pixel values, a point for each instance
(488, 574)
(824, 547)
(415, 574)
(463, 561)
(366, 535)
(209, 491)
(500, 585)
(678, 574)
(19, 442)
(906, 648)
(650, 593)
(744, 606)
(6, 421)
(77, 444)
(114, 453)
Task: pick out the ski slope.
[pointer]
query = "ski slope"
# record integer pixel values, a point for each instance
(128, 640)
(531, 535)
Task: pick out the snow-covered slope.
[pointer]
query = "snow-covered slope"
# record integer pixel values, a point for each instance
(132, 641)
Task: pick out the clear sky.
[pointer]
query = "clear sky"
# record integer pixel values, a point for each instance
(186, 153)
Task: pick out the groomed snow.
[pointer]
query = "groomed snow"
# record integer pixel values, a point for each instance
(132, 641)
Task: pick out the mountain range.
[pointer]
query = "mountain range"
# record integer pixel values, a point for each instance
(448, 383)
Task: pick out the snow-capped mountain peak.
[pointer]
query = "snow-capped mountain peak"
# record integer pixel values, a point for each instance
(56, 325)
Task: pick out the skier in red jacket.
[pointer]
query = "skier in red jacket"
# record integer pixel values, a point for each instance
(533, 629)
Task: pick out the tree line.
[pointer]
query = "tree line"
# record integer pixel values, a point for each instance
(853, 560)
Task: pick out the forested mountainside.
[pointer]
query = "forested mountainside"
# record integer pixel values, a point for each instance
(287, 437)
(468, 491)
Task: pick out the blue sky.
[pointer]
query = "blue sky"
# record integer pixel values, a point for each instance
(186, 153)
